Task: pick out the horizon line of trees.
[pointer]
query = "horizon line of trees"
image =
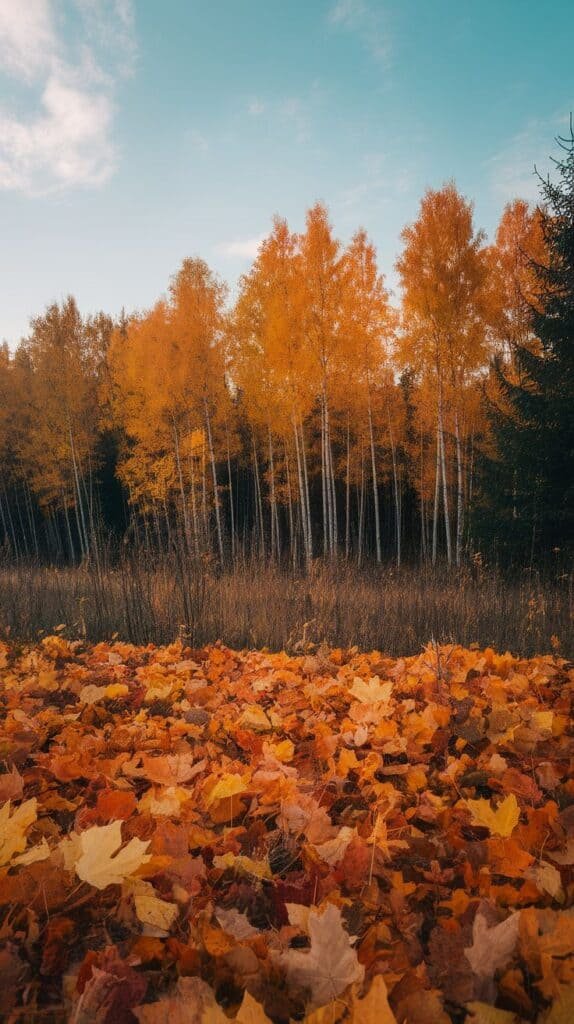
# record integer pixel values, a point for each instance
(312, 417)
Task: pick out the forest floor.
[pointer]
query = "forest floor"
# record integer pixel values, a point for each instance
(201, 835)
(259, 605)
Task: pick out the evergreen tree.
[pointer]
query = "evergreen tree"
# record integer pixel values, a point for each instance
(530, 483)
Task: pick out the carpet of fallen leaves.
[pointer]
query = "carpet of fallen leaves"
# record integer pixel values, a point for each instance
(199, 836)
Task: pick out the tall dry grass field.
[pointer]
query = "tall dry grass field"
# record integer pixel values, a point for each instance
(258, 606)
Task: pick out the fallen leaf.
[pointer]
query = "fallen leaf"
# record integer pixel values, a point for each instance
(372, 692)
(500, 822)
(329, 966)
(102, 862)
(493, 947)
(229, 785)
(150, 909)
(13, 827)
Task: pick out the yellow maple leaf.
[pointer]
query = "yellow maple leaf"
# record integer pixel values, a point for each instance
(259, 868)
(372, 692)
(283, 750)
(13, 828)
(228, 785)
(116, 690)
(101, 861)
(500, 822)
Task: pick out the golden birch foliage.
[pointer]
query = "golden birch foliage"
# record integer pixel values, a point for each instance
(63, 422)
(271, 362)
(167, 371)
(442, 270)
(512, 280)
(368, 323)
(322, 275)
(444, 334)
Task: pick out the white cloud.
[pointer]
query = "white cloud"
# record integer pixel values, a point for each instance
(256, 107)
(26, 37)
(64, 138)
(366, 22)
(246, 248)
(511, 170)
(111, 27)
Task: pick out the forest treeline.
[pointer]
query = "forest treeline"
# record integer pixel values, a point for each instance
(313, 416)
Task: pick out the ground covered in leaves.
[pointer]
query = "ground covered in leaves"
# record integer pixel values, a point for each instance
(199, 836)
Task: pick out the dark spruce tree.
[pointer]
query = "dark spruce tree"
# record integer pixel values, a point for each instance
(529, 484)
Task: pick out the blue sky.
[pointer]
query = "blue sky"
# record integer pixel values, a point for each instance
(136, 132)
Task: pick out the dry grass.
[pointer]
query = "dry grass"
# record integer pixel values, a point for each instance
(258, 606)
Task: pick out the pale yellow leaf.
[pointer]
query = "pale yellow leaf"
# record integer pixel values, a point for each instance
(91, 694)
(102, 862)
(13, 828)
(35, 853)
(335, 849)
(372, 692)
(251, 1012)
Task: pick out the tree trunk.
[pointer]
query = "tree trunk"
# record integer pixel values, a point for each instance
(422, 502)
(292, 539)
(348, 493)
(396, 490)
(307, 500)
(333, 539)
(31, 519)
(214, 474)
(302, 502)
(375, 486)
(459, 492)
(206, 538)
(361, 512)
(275, 545)
(69, 528)
(324, 491)
(181, 488)
(231, 508)
(436, 496)
(258, 501)
(80, 506)
(445, 489)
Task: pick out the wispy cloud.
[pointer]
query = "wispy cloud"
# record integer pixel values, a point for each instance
(512, 170)
(365, 21)
(293, 115)
(246, 248)
(296, 113)
(380, 183)
(256, 107)
(65, 138)
(198, 141)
